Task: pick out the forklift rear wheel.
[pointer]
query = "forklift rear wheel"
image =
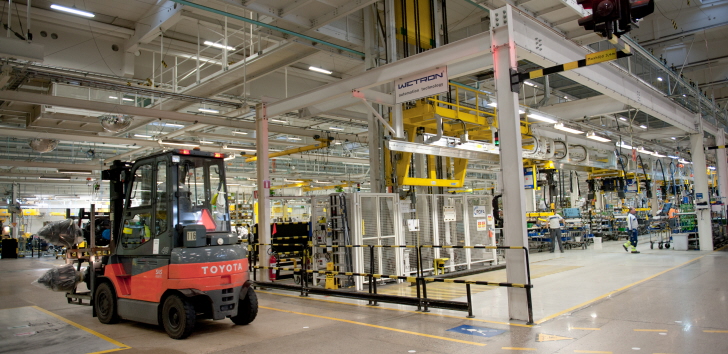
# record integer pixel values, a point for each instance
(247, 309)
(178, 317)
(667, 245)
(105, 303)
(659, 245)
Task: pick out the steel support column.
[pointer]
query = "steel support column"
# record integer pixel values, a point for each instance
(14, 219)
(261, 136)
(376, 178)
(503, 47)
(722, 166)
(700, 185)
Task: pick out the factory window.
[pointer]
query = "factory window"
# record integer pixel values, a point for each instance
(141, 192)
(162, 198)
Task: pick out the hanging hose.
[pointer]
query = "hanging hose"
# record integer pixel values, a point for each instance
(648, 184)
(566, 149)
(586, 153)
(664, 179)
(672, 174)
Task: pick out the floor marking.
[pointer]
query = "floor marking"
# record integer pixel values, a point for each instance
(517, 348)
(650, 330)
(620, 289)
(400, 310)
(123, 346)
(714, 331)
(591, 351)
(587, 329)
(549, 337)
(376, 326)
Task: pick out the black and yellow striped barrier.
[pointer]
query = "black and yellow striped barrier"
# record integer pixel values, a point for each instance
(402, 277)
(288, 237)
(716, 147)
(591, 59)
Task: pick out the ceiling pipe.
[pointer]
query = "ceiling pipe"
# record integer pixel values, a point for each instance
(268, 26)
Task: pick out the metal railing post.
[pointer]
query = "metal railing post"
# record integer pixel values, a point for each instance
(528, 287)
(470, 301)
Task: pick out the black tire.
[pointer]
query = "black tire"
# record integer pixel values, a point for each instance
(105, 304)
(667, 245)
(178, 317)
(247, 309)
(659, 246)
(652, 245)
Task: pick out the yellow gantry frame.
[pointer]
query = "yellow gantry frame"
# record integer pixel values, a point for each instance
(342, 185)
(478, 121)
(324, 143)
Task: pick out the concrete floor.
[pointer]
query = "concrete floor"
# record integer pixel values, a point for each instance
(585, 301)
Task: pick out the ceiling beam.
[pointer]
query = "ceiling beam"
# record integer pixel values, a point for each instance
(158, 19)
(59, 165)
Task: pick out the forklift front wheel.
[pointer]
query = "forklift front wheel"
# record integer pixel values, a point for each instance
(105, 303)
(178, 317)
(247, 309)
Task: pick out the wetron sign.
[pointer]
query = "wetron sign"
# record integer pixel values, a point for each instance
(421, 85)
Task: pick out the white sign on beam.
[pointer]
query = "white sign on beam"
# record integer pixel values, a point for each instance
(421, 85)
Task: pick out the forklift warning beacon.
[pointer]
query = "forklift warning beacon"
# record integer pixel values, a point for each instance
(173, 257)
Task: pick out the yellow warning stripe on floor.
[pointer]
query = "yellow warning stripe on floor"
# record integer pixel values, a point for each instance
(592, 351)
(714, 331)
(114, 342)
(376, 326)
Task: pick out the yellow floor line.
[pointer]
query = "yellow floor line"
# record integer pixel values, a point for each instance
(591, 351)
(650, 330)
(714, 331)
(399, 310)
(618, 290)
(376, 326)
(586, 329)
(114, 342)
(517, 348)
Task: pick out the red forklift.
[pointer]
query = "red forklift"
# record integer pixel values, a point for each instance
(172, 257)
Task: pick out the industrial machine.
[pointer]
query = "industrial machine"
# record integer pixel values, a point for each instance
(172, 256)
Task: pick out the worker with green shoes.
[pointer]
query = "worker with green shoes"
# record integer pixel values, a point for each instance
(632, 225)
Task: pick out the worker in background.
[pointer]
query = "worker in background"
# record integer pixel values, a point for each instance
(632, 226)
(672, 217)
(555, 231)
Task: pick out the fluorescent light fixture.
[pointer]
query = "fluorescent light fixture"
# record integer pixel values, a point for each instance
(293, 181)
(623, 119)
(594, 136)
(520, 111)
(72, 10)
(206, 142)
(659, 79)
(173, 125)
(322, 182)
(127, 99)
(142, 136)
(625, 146)
(217, 45)
(238, 148)
(319, 70)
(529, 83)
(336, 128)
(76, 172)
(241, 133)
(684, 95)
(542, 118)
(673, 157)
(643, 126)
(179, 143)
(673, 138)
(356, 163)
(52, 178)
(208, 110)
(337, 143)
(642, 150)
(290, 138)
(113, 97)
(560, 126)
(711, 168)
(684, 161)
(493, 104)
(278, 120)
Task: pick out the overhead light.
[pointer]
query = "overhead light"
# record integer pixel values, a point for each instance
(322, 182)
(72, 10)
(142, 136)
(643, 126)
(293, 181)
(113, 97)
(208, 110)
(520, 111)
(711, 168)
(529, 83)
(52, 178)
(684, 95)
(76, 172)
(594, 136)
(642, 150)
(560, 126)
(319, 70)
(684, 161)
(673, 157)
(673, 138)
(127, 99)
(542, 118)
(659, 79)
(241, 133)
(336, 128)
(218, 45)
(625, 146)
(278, 120)
(238, 148)
(206, 142)
(356, 163)
(493, 104)
(337, 143)
(173, 125)
(291, 138)
(623, 119)
(179, 143)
